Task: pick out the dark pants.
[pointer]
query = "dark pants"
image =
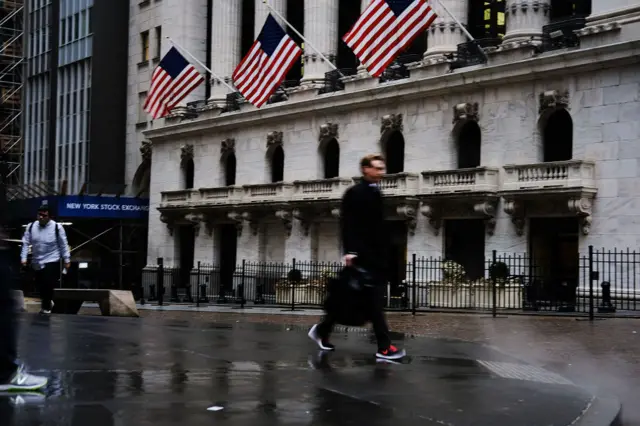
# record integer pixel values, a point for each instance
(47, 279)
(375, 301)
(8, 322)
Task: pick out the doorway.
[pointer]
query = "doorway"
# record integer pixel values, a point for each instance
(555, 259)
(464, 244)
(228, 245)
(186, 241)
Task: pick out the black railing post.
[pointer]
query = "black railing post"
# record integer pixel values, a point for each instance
(591, 278)
(160, 281)
(242, 291)
(494, 290)
(413, 284)
(293, 287)
(198, 287)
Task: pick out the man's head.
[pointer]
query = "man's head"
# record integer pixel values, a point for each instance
(43, 215)
(372, 167)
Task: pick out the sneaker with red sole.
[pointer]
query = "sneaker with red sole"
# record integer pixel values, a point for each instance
(391, 353)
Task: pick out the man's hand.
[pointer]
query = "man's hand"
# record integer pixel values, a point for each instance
(348, 259)
(67, 266)
(23, 263)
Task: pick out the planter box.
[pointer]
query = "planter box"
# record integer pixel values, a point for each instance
(303, 295)
(509, 297)
(444, 296)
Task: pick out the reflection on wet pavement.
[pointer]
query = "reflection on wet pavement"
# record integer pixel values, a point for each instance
(115, 371)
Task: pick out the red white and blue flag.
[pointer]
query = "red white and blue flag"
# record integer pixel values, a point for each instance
(385, 28)
(265, 66)
(172, 80)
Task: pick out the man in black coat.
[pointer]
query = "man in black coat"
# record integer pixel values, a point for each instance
(365, 245)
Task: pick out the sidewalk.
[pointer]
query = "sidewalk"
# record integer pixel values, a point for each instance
(604, 353)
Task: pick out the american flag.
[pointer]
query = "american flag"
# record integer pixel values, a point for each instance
(172, 80)
(266, 64)
(385, 28)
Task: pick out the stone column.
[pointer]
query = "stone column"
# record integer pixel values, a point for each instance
(525, 19)
(185, 23)
(321, 29)
(262, 11)
(444, 34)
(226, 32)
(299, 237)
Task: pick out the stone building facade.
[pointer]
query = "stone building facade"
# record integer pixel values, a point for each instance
(530, 145)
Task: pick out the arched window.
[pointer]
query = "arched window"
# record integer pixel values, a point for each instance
(277, 164)
(557, 136)
(331, 159)
(230, 169)
(188, 170)
(469, 145)
(394, 152)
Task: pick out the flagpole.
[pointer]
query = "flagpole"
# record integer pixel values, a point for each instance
(306, 42)
(201, 64)
(462, 27)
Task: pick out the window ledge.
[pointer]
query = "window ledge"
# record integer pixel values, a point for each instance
(143, 64)
(155, 60)
(144, 3)
(141, 125)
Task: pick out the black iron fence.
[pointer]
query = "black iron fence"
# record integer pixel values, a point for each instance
(600, 281)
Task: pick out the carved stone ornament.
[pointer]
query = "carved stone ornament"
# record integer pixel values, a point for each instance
(186, 153)
(515, 209)
(145, 151)
(240, 219)
(582, 207)
(286, 217)
(274, 138)
(169, 222)
(488, 210)
(466, 111)
(553, 99)
(328, 131)
(304, 220)
(228, 146)
(409, 214)
(196, 219)
(391, 122)
(433, 215)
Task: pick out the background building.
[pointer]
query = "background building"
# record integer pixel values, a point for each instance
(74, 126)
(527, 147)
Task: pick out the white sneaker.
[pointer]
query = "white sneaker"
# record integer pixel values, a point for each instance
(47, 311)
(322, 344)
(22, 381)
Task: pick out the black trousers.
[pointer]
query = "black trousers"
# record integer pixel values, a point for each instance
(375, 302)
(8, 322)
(47, 279)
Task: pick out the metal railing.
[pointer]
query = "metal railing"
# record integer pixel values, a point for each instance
(597, 282)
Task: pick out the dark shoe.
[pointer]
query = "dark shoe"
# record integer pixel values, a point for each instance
(322, 343)
(391, 353)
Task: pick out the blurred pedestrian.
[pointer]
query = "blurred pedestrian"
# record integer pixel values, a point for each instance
(48, 242)
(365, 245)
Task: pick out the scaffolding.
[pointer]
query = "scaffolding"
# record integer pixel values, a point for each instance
(11, 84)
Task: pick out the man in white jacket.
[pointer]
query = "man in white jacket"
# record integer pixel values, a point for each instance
(48, 242)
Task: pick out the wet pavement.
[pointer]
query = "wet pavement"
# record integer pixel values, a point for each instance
(117, 371)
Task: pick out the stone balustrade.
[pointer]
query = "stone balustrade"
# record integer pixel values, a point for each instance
(552, 175)
(479, 179)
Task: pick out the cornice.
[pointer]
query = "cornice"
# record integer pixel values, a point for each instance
(542, 66)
